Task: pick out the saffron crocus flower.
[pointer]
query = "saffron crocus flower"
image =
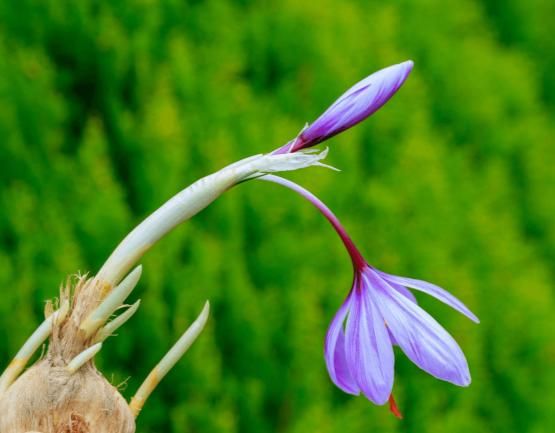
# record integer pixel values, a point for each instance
(355, 105)
(378, 313)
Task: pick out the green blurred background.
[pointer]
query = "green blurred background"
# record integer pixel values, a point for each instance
(109, 108)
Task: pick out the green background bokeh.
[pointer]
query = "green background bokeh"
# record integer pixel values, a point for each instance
(109, 108)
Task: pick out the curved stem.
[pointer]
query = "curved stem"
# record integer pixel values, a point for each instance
(179, 208)
(356, 257)
(191, 201)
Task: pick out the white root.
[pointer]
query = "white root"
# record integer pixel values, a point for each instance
(30, 347)
(168, 361)
(113, 325)
(84, 357)
(113, 301)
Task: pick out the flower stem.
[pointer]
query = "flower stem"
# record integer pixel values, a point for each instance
(356, 257)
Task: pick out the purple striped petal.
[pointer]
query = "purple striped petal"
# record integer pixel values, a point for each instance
(407, 294)
(404, 291)
(422, 339)
(369, 349)
(432, 290)
(334, 352)
(355, 105)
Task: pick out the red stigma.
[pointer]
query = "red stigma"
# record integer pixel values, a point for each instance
(393, 407)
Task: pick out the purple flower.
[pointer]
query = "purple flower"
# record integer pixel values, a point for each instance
(378, 313)
(355, 105)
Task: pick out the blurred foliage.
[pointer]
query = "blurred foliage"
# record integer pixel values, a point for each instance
(108, 108)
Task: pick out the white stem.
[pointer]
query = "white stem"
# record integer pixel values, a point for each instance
(192, 200)
(119, 321)
(179, 208)
(113, 301)
(30, 347)
(169, 360)
(84, 357)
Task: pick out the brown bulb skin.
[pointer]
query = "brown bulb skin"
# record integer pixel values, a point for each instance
(47, 398)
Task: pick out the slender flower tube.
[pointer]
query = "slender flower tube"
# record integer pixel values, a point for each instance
(355, 105)
(380, 312)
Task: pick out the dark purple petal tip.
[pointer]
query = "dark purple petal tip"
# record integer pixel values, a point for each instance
(355, 105)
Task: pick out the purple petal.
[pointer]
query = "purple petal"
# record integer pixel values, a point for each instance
(407, 294)
(334, 352)
(355, 105)
(432, 290)
(422, 339)
(403, 291)
(392, 337)
(369, 349)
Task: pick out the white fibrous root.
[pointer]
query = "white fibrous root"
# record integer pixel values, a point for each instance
(30, 347)
(113, 301)
(113, 325)
(169, 360)
(84, 357)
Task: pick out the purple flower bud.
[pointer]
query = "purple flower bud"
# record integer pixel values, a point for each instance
(355, 105)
